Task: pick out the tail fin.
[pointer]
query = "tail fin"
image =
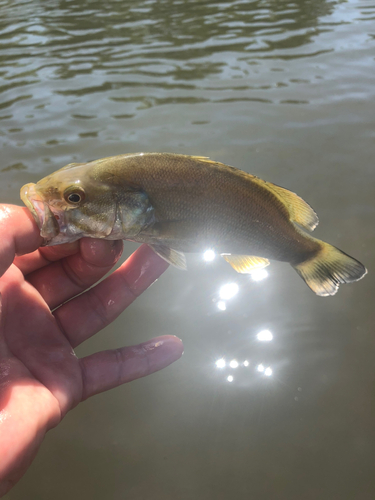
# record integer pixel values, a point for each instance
(324, 272)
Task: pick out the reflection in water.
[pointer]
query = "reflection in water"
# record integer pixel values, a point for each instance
(220, 363)
(259, 274)
(221, 305)
(86, 71)
(261, 368)
(209, 255)
(228, 291)
(265, 336)
(233, 364)
(268, 371)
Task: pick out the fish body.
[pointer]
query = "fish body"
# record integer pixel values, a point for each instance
(177, 204)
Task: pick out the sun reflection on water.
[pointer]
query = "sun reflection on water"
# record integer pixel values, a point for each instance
(209, 255)
(234, 363)
(259, 274)
(268, 372)
(220, 363)
(228, 291)
(221, 305)
(264, 336)
(224, 294)
(265, 371)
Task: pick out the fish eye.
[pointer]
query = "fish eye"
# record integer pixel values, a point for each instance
(74, 197)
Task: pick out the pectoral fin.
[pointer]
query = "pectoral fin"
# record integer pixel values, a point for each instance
(245, 264)
(173, 257)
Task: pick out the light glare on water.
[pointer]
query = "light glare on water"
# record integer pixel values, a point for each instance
(228, 291)
(264, 336)
(209, 255)
(220, 363)
(221, 305)
(259, 274)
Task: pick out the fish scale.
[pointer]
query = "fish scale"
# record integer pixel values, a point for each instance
(178, 203)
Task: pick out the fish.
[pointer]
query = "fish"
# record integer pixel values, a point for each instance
(178, 204)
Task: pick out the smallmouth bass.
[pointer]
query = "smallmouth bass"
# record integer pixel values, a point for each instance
(177, 203)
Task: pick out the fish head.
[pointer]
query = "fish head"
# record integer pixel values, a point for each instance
(81, 201)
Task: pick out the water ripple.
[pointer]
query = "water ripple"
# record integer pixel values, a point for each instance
(65, 60)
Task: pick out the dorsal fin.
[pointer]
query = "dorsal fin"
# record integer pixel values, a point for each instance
(206, 159)
(299, 211)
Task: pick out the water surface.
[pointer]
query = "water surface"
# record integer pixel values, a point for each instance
(286, 91)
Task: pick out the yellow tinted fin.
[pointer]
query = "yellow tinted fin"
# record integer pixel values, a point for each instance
(330, 267)
(299, 211)
(245, 264)
(202, 158)
(206, 159)
(173, 257)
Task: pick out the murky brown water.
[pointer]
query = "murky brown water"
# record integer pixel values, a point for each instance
(284, 90)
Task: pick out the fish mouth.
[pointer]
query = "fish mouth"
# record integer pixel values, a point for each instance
(42, 213)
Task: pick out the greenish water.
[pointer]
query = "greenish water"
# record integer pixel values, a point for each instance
(284, 90)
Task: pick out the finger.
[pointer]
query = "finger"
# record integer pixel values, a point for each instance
(92, 311)
(19, 234)
(44, 256)
(108, 369)
(66, 278)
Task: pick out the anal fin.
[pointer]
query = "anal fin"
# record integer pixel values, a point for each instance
(245, 264)
(173, 257)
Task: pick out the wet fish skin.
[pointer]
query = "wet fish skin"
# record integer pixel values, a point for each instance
(177, 203)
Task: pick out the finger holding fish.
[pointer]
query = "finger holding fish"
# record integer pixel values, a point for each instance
(93, 310)
(44, 256)
(20, 237)
(65, 278)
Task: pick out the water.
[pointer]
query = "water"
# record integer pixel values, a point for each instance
(284, 90)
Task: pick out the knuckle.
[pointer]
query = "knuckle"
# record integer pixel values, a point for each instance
(72, 275)
(98, 307)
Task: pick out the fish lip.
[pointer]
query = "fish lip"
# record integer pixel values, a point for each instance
(41, 211)
(39, 208)
(27, 193)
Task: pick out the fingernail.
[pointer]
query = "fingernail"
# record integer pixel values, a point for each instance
(163, 351)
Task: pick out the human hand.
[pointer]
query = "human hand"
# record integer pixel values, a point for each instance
(41, 378)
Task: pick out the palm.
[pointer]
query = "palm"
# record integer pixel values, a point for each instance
(41, 379)
(39, 354)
